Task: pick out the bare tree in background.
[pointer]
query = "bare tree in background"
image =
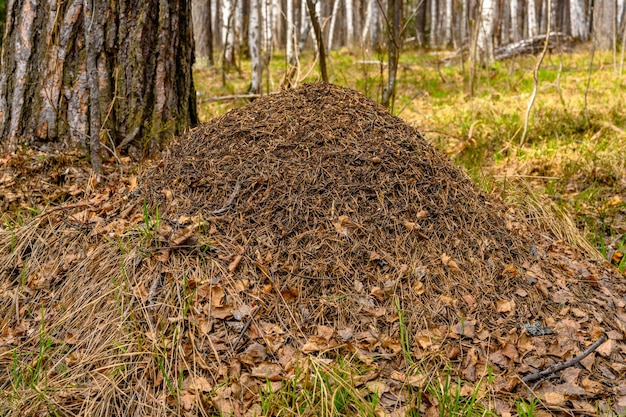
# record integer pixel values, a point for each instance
(394, 40)
(203, 30)
(319, 39)
(254, 46)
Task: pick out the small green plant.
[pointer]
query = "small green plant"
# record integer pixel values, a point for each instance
(526, 408)
(405, 341)
(151, 224)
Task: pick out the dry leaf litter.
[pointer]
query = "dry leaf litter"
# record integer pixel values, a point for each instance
(308, 225)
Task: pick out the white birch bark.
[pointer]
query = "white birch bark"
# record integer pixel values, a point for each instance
(305, 26)
(349, 22)
(290, 33)
(577, 19)
(434, 39)
(516, 23)
(254, 43)
(375, 23)
(333, 21)
(228, 34)
(485, 31)
(447, 24)
(367, 23)
(532, 19)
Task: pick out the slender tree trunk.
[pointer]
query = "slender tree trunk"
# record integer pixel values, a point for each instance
(485, 31)
(319, 38)
(603, 23)
(533, 29)
(349, 22)
(333, 21)
(447, 24)
(203, 30)
(516, 22)
(394, 33)
(131, 86)
(305, 26)
(254, 44)
(290, 34)
(420, 23)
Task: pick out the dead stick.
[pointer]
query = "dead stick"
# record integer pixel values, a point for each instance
(243, 330)
(559, 367)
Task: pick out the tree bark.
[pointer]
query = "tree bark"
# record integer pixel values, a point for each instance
(254, 43)
(394, 34)
(485, 31)
(79, 72)
(319, 38)
(604, 23)
(203, 30)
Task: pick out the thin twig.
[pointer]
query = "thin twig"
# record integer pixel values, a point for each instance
(531, 102)
(559, 367)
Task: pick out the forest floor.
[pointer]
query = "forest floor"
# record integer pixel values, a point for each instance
(147, 333)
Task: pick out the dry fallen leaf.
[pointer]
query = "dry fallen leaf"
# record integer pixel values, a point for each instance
(505, 306)
(267, 370)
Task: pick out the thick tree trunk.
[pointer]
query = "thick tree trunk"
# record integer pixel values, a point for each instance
(78, 72)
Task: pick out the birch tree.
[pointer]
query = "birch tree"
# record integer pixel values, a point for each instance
(532, 19)
(485, 31)
(604, 24)
(254, 45)
(131, 85)
(203, 30)
(290, 33)
(228, 34)
(349, 7)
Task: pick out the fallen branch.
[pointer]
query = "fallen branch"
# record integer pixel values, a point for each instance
(559, 367)
(228, 98)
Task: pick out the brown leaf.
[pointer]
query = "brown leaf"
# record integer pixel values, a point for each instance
(186, 400)
(197, 383)
(554, 398)
(267, 370)
(233, 265)
(606, 348)
(450, 263)
(505, 306)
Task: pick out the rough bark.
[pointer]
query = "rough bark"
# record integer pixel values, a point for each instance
(72, 68)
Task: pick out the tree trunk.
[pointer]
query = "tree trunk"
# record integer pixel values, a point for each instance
(485, 31)
(533, 29)
(291, 33)
(254, 43)
(349, 22)
(333, 21)
(603, 23)
(203, 30)
(577, 19)
(74, 68)
(394, 34)
(319, 38)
